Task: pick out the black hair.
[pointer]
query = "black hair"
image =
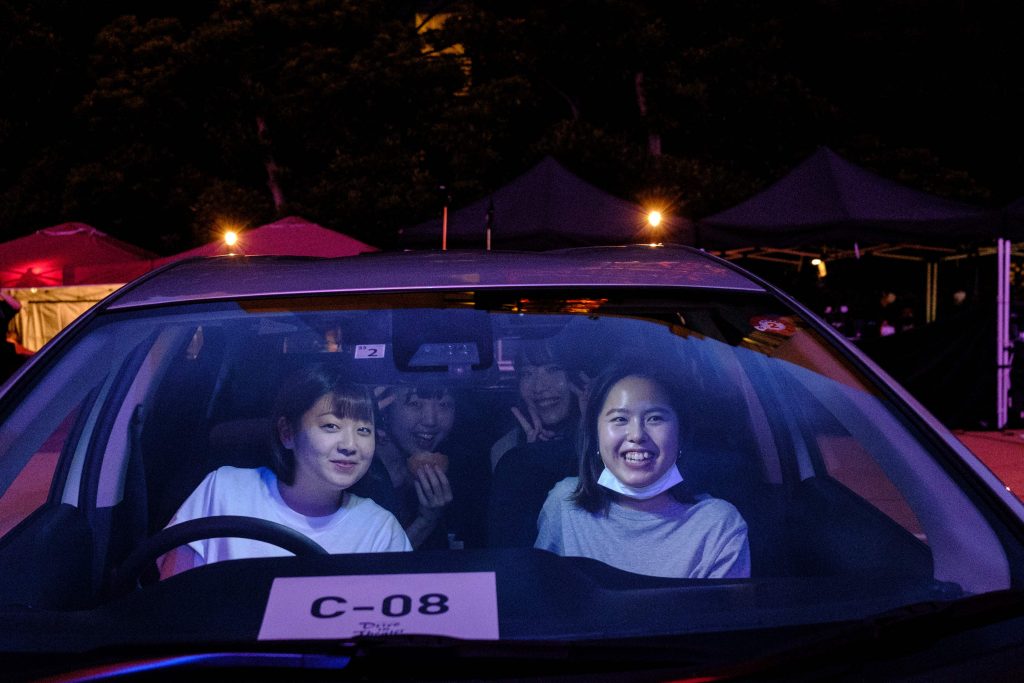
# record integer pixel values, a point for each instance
(590, 495)
(300, 392)
(430, 391)
(543, 352)
(538, 352)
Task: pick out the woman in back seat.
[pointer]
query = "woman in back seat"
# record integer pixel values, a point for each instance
(529, 460)
(441, 489)
(550, 399)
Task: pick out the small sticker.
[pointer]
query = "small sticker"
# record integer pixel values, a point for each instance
(370, 350)
(461, 605)
(774, 324)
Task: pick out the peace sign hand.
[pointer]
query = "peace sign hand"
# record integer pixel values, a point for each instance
(533, 427)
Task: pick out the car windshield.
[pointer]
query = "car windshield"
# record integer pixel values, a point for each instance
(617, 462)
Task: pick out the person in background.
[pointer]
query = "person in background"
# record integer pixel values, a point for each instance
(10, 358)
(550, 400)
(629, 506)
(884, 316)
(540, 452)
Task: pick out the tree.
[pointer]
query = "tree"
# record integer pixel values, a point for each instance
(159, 122)
(259, 109)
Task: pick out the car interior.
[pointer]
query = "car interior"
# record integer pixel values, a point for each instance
(194, 395)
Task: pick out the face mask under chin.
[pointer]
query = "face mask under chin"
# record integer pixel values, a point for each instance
(670, 478)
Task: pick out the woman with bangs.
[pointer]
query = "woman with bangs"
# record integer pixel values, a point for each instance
(323, 443)
(541, 451)
(550, 398)
(441, 489)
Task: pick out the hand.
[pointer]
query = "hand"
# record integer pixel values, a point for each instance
(433, 490)
(533, 427)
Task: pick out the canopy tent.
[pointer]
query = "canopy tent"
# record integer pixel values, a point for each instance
(291, 236)
(827, 200)
(828, 207)
(70, 254)
(59, 272)
(45, 311)
(546, 207)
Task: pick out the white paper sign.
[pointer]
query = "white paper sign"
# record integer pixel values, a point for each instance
(461, 605)
(371, 350)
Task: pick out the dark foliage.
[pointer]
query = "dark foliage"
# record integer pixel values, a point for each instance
(158, 121)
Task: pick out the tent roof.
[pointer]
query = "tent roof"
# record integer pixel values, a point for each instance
(291, 236)
(548, 206)
(828, 200)
(69, 254)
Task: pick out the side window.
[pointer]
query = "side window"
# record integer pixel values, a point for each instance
(847, 461)
(53, 419)
(31, 487)
(830, 424)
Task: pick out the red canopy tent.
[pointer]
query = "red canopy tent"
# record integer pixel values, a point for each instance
(70, 254)
(59, 272)
(291, 236)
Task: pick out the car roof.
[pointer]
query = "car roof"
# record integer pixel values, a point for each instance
(232, 277)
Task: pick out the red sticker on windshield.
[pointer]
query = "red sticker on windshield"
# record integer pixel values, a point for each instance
(775, 324)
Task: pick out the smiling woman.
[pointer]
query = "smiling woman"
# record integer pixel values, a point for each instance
(629, 507)
(324, 444)
(419, 420)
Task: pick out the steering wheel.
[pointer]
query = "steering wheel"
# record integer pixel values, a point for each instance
(221, 526)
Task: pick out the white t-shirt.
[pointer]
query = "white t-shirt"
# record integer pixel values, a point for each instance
(359, 526)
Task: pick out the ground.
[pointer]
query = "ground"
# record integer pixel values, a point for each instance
(1002, 452)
